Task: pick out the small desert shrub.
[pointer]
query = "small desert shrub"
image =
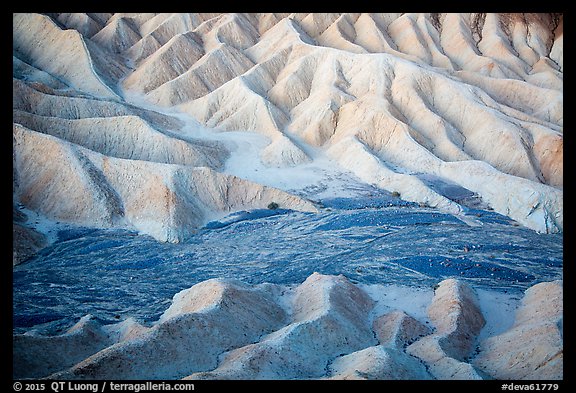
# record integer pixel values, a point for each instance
(273, 206)
(396, 194)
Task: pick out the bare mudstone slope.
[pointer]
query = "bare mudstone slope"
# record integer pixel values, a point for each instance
(161, 123)
(474, 99)
(323, 328)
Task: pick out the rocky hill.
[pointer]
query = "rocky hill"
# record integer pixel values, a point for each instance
(163, 124)
(103, 106)
(325, 327)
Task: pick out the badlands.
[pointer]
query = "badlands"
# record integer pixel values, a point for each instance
(164, 124)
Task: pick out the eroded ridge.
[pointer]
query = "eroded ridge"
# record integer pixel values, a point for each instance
(472, 99)
(325, 327)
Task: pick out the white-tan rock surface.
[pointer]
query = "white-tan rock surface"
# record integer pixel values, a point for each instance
(144, 121)
(457, 319)
(378, 363)
(324, 328)
(38, 41)
(167, 201)
(475, 99)
(329, 317)
(533, 348)
(37, 356)
(398, 329)
(202, 323)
